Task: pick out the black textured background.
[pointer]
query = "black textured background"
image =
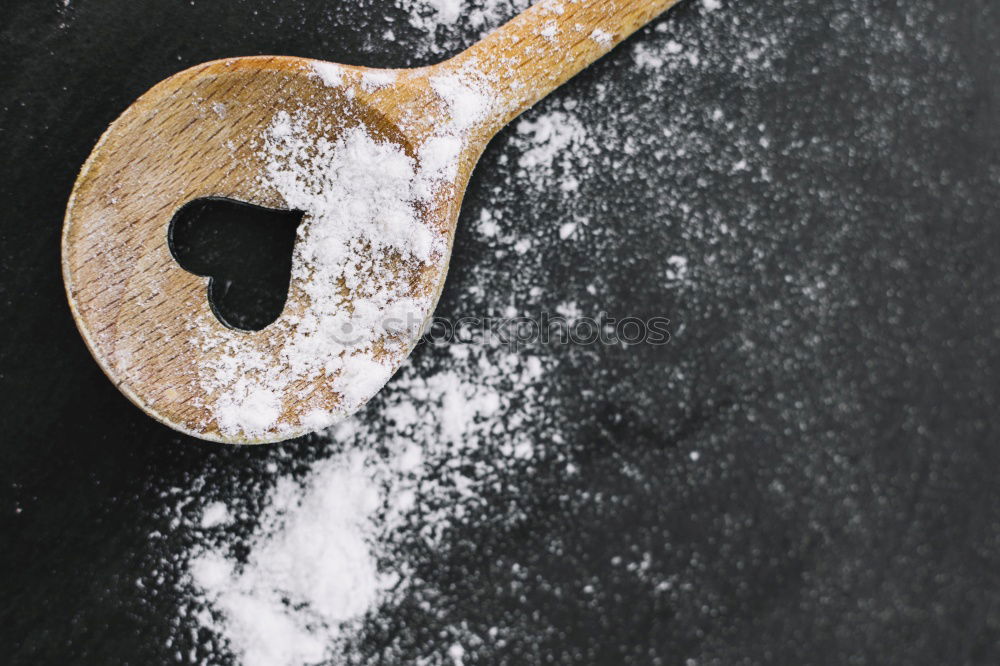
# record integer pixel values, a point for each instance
(844, 508)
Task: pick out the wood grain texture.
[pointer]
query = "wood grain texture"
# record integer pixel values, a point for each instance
(197, 134)
(548, 44)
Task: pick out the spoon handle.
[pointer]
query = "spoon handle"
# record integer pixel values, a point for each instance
(549, 43)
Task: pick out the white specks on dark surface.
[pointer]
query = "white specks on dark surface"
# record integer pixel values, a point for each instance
(690, 162)
(805, 473)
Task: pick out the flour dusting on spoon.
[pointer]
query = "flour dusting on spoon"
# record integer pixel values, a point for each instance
(362, 247)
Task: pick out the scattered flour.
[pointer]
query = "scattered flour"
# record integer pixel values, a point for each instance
(362, 248)
(677, 268)
(247, 407)
(445, 11)
(363, 243)
(602, 37)
(313, 568)
(455, 556)
(465, 95)
(444, 20)
(375, 79)
(648, 58)
(340, 539)
(310, 569)
(364, 240)
(215, 515)
(331, 74)
(558, 137)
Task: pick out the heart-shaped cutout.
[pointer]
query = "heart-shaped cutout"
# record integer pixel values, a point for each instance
(244, 250)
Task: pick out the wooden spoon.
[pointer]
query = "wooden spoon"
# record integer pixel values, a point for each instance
(222, 129)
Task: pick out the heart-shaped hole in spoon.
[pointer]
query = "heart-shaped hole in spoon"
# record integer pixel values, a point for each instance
(244, 250)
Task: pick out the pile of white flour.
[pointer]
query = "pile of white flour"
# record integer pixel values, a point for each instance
(313, 572)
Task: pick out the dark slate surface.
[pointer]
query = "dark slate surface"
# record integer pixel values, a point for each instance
(844, 508)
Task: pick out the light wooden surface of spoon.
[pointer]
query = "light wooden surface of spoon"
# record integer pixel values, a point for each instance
(202, 133)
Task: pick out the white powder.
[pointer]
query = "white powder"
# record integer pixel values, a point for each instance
(439, 163)
(602, 37)
(312, 572)
(457, 654)
(648, 58)
(360, 378)
(362, 246)
(247, 408)
(555, 138)
(215, 514)
(570, 310)
(331, 74)
(443, 20)
(363, 235)
(375, 79)
(487, 225)
(677, 268)
(446, 11)
(310, 569)
(673, 48)
(465, 95)
(444, 433)
(356, 190)
(711, 5)
(553, 6)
